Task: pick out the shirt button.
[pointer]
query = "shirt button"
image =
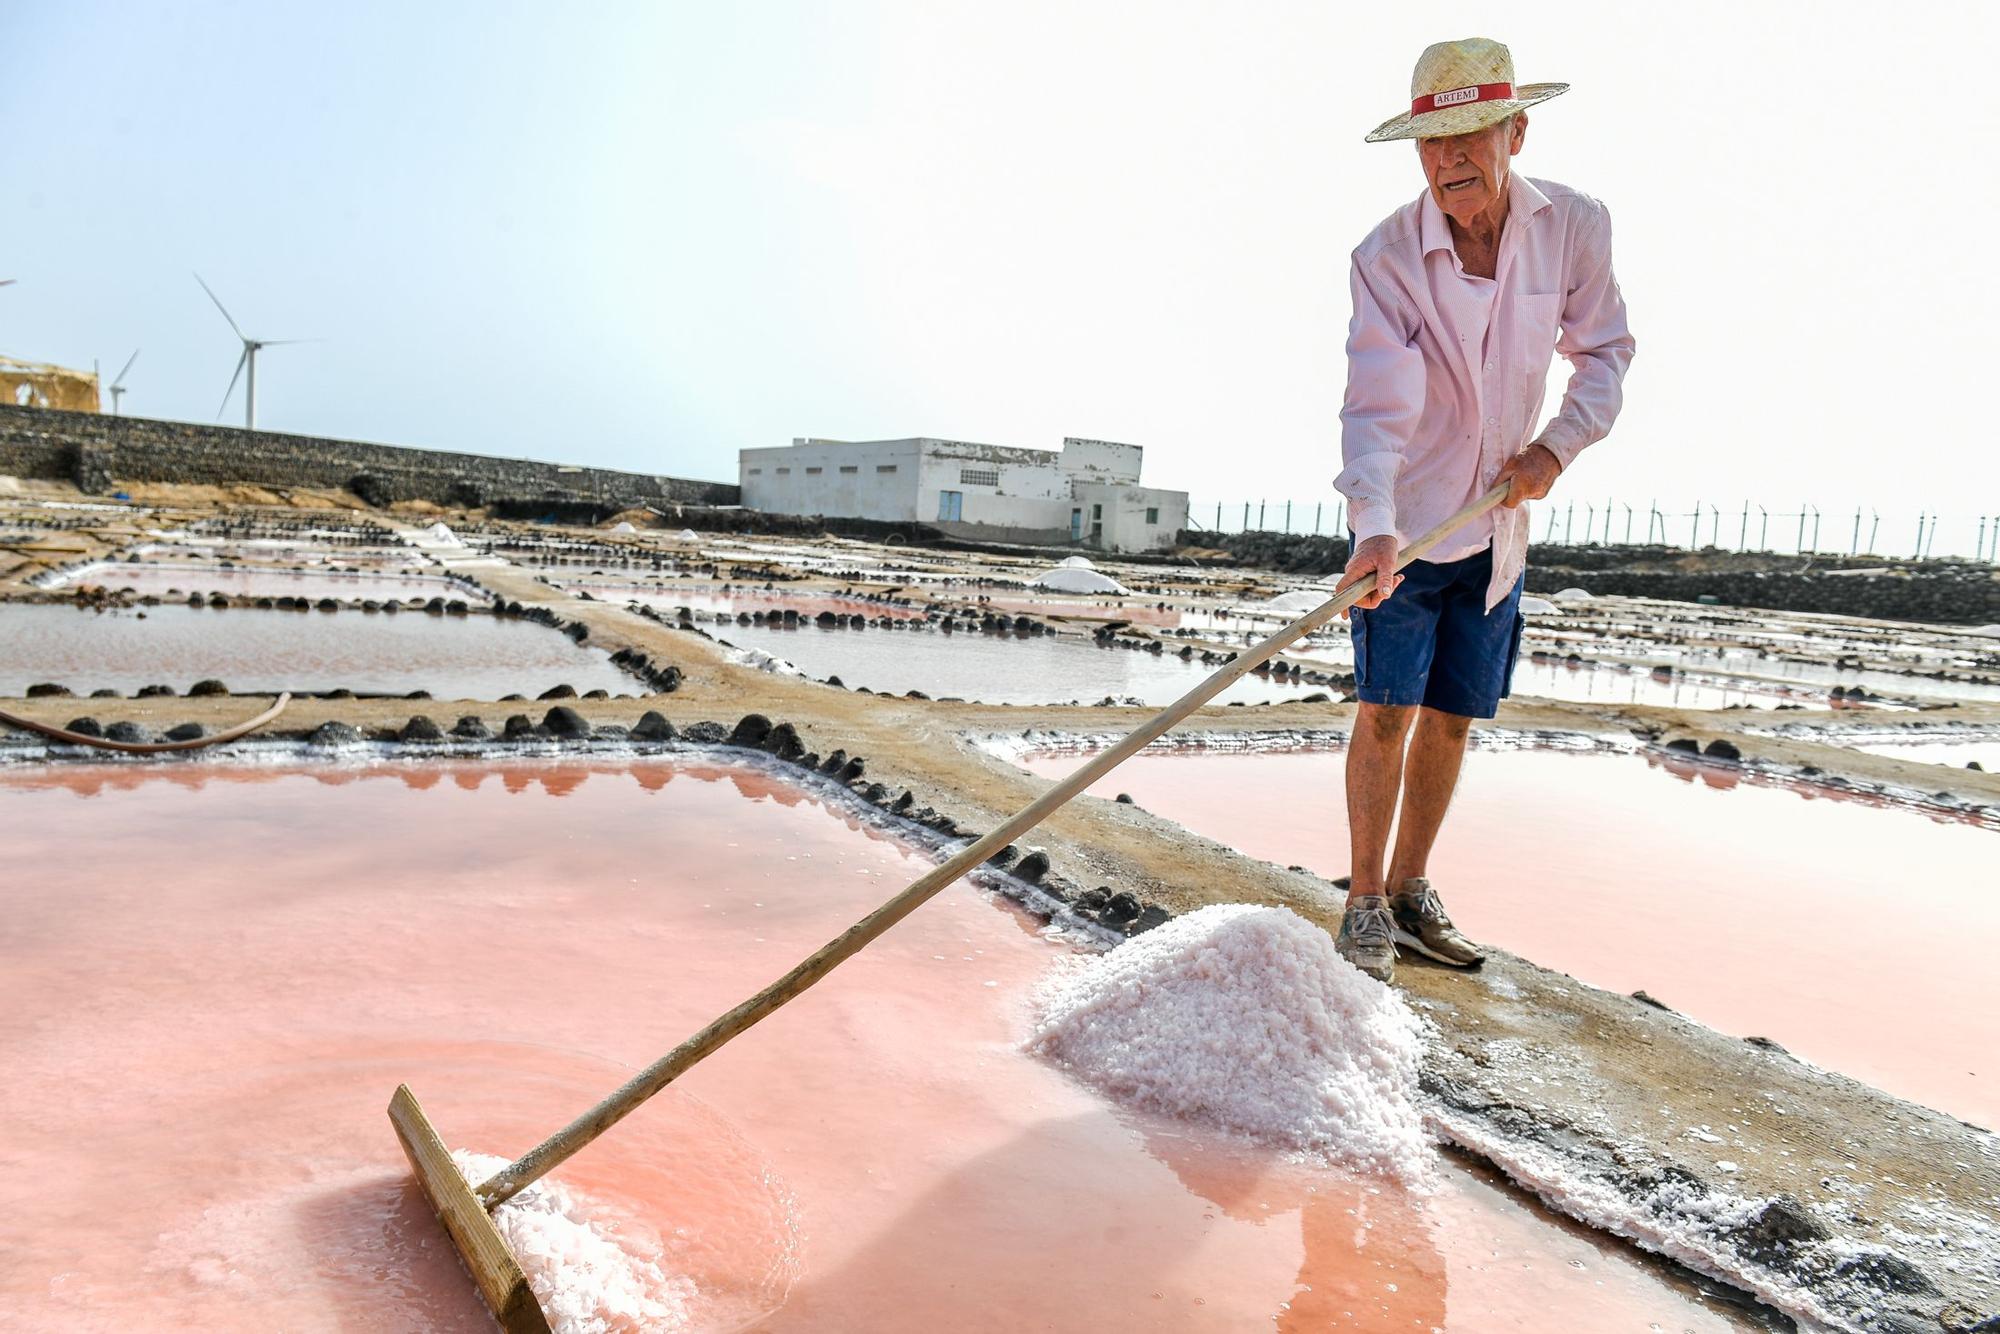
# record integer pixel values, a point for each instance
(1491, 364)
(1492, 421)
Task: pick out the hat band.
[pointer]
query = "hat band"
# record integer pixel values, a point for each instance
(1484, 92)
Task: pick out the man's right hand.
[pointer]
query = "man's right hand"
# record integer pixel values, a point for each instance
(1376, 556)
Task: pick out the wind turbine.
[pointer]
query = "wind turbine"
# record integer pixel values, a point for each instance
(118, 385)
(249, 358)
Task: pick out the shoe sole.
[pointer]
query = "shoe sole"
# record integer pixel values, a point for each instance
(1405, 938)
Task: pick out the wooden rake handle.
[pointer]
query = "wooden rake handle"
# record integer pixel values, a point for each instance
(541, 1159)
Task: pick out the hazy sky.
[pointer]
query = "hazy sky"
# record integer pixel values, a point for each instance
(647, 236)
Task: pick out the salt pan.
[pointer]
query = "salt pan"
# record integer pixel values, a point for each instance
(585, 1280)
(1244, 1017)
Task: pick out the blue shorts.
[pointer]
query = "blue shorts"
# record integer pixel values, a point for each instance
(1432, 642)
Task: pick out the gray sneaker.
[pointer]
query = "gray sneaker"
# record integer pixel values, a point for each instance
(1422, 925)
(1366, 937)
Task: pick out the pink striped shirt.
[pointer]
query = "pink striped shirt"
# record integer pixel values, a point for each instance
(1446, 371)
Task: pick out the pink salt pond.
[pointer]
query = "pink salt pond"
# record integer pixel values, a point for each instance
(216, 976)
(453, 657)
(1857, 935)
(254, 581)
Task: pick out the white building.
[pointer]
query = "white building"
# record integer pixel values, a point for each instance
(1087, 495)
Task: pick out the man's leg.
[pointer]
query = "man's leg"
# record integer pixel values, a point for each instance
(1430, 775)
(1375, 768)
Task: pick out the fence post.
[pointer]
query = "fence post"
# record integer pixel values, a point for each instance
(1815, 546)
(1932, 538)
(1874, 526)
(1694, 538)
(1288, 518)
(1589, 521)
(1919, 552)
(1246, 516)
(1856, 551)
(1628, 525)
(1800, 545)
(1764, 530)
(1569, 517)
(1260, 516)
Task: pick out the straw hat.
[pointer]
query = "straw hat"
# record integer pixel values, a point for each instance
(1462, 86)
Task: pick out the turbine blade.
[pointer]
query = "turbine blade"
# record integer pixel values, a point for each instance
(281, 342)
(232, 383)
(128, 366)
(8, 282)
(218, 305)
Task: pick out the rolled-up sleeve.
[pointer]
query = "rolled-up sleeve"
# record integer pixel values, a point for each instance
(1597, 344)
(1385, 398)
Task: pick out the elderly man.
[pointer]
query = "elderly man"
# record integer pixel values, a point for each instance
(1461, 300)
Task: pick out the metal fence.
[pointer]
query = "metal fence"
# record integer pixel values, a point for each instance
(1801, 528)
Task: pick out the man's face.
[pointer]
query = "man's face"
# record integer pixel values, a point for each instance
(1467, 173)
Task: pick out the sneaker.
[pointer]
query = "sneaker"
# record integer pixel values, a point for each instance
(1366, 937)
(1422, 925)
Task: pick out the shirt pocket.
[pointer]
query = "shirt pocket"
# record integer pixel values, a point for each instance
(1537, 321)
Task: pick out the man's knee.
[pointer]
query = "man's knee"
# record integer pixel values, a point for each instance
(1455, 726)
(1384, 722)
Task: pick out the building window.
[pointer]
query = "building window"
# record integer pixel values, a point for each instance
(979, 477)
(814, 472)
(885, 467)
(1096, 511)
(849, 467)
(756, 472)
(1152, 514)
(784, 472)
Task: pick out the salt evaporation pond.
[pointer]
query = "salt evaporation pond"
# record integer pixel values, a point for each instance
(202, 1027)
(242, 581)
(1984, 751)
(710, 598)
(453, 657)
(996, 669)
(1758, 910)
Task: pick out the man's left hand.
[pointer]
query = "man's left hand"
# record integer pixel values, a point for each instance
(1532, 471)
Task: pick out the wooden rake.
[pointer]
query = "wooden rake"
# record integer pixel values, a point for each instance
(464, 1210)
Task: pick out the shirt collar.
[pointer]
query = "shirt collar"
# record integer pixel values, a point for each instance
(1523, 201)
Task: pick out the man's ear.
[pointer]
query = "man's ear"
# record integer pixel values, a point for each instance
(1520, 133)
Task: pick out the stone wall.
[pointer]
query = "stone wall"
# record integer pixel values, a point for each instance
(1952, 592)
(98, 452)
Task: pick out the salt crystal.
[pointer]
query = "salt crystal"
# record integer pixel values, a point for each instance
(585, 1280)
(1246, 1018)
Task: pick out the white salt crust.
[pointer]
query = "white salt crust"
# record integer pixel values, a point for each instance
(1245, 1018)
(585, 1279)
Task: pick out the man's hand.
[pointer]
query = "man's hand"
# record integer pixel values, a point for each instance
(1376, 556)
(1532, 471)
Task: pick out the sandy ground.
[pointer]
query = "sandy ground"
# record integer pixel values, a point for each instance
(1877, 1174)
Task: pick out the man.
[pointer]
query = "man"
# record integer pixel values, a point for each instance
(1461, 298)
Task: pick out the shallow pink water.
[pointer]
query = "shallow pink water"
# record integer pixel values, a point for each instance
(453, 657)
(1858, 936)
(216, 977)
(253, 582)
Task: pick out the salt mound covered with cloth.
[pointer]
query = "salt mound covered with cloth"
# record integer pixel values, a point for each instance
(1075, 563)
(1244, 1017)
(1531, 606)
(1071, 579)
(585, 1280)
(623, 526)
(441, 535)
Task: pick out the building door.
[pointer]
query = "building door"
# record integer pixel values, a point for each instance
(1076, 525)
(1097, 525)
(951, 506)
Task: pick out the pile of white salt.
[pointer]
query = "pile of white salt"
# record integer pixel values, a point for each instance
(586, 1281)
(1245, 1018)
